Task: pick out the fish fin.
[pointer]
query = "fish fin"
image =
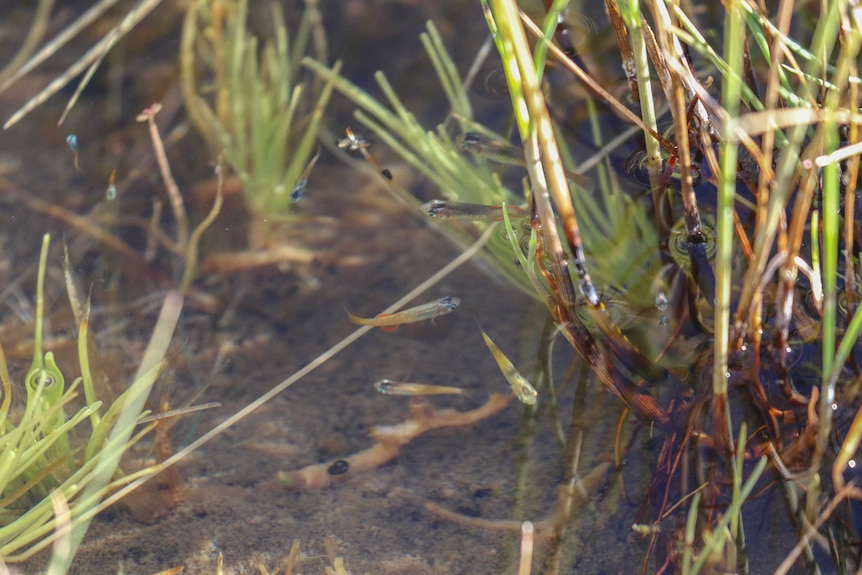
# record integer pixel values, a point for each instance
(387, 328)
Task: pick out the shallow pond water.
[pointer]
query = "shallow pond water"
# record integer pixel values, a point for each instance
(368, 250)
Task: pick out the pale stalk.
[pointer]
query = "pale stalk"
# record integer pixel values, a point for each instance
(672, 52)
(632, 15)
(850, 46)
(542, 155)
(731, 92)
(784, 183)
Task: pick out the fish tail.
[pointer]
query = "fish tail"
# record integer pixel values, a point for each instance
(356, 319)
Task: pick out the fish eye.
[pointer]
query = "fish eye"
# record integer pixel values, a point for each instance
(432, 208)
(449, 303)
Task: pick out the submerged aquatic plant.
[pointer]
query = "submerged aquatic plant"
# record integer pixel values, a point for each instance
(710, 133)
(264, 117)
(458, 175)
(707, 298)
(56, 469)
(461, 157)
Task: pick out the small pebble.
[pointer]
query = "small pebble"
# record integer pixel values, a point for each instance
(338, 467)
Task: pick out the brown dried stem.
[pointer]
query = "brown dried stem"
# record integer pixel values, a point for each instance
(593, 85)
(174, 196)
(628, 57)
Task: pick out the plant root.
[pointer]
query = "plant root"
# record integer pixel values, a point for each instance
(570, 495)
(390, 439)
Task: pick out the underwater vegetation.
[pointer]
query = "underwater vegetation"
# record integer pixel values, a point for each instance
(53, 473)
(264, 118)
(706, 291)
(694, 243)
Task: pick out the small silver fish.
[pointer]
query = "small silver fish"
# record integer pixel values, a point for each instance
(506, 153)
(72, 141)
(389, 387)
(299, 188)
(353, 142)
(444, 210)
(419, 313)
(522, 388)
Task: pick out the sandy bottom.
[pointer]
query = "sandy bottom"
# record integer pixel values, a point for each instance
(231, 500)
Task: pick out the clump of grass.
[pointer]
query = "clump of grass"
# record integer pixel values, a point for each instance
(262, 115)
(460, 174)
(794, 149)
(435, 153)
(55, 469)
(804, 129)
